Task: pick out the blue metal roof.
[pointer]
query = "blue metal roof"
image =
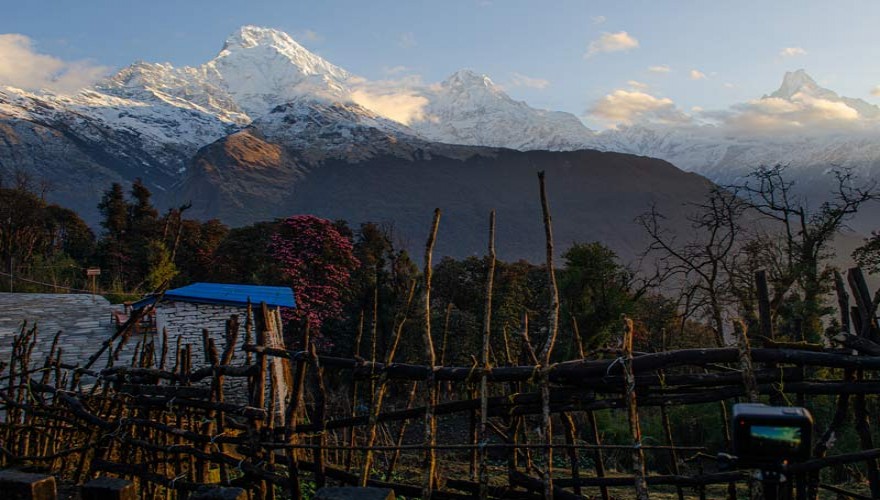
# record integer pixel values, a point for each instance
(222, 293)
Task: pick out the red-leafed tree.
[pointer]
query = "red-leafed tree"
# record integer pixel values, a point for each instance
(317, 261)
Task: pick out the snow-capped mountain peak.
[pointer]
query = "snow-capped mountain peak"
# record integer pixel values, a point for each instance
(798, 86)
(797, 81)
(468, 108)
(469, 79)
(251, 36)
(262, 67)
(251, 42)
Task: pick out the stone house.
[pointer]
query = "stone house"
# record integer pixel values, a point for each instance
(184, 312)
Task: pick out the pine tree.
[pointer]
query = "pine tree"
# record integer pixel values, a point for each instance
(115, 211)
(113, 248)
(143, 230)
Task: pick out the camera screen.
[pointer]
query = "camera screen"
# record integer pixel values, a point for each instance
(773, 438)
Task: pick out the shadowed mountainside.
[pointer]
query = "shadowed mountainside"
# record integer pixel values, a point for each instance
(593, 195)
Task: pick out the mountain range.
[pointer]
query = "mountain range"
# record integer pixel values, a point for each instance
(267, 128)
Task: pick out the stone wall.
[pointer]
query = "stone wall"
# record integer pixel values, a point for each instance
(84, 321)
(187, 320)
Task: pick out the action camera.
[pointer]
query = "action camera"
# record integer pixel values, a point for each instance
(770, 436)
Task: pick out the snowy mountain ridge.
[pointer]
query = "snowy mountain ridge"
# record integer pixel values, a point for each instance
(259, 69)
(154, 117)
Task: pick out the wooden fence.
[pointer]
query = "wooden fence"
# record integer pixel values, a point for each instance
(520, 428)
(165, 419)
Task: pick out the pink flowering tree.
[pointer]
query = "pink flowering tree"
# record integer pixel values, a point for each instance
(317, 261)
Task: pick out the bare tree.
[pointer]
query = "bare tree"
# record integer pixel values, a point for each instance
(699, 265)
(806, 233)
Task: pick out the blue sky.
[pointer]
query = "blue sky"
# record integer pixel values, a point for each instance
(535, 49)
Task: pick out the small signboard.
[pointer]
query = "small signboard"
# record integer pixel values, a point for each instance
(93, 271)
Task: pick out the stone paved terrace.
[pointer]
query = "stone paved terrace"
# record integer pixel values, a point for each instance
(84, 321)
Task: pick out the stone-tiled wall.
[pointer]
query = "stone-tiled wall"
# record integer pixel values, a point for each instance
(187, 320)
(84, 321)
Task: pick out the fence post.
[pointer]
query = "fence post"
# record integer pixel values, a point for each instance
(638, 454)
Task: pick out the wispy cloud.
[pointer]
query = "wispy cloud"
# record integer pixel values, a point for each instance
(404, 107)
(309, 36)
(876, 91)
(399, 99)
(662, 69)
(696, 74)
(612, 42)
(23, 67)
(598, 19)
(792, 52)
(521, 80)
(407, 40)
(394, 70)
(625, 107)
(637, 85)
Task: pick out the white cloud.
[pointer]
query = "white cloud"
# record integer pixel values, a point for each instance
(636, 85)
(802, 112)
(21, 66)
(792, 51)
(520, 80)
(402, 106)
(660, 69)
(598, 19)
(876, 91)
(624, 107)
(401, 99)
(697, 75)
(407, 40)
(729, 85)
(612, 42)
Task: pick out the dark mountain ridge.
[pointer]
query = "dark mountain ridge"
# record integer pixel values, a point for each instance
(594, 196)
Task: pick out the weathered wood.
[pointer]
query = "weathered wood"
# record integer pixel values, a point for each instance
(27, 486)
(553, 314)
(858, 343)
(860, 411)
(320, 417)
(570, 438)
(867, 306)
(430, 379)
(219, 494)
(109, 488)
(484, 386)
(765, 313)
(379, 395)
(352, 437)
(575, 372)
(638, 454)
(293, 484)
(745, 361)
